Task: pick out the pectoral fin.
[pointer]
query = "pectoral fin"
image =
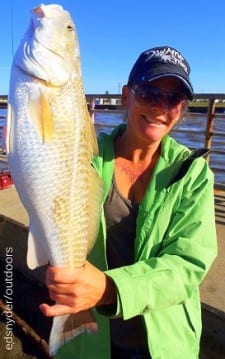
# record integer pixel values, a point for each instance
(40, 114)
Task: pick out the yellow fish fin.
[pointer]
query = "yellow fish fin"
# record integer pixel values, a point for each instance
(36, 255)
(96, 191)
(40, 114)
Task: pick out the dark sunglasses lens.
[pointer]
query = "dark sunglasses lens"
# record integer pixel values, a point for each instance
(149, 94)
(174, 98)
(156, 97)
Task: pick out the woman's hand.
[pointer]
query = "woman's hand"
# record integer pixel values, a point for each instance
(79, 289)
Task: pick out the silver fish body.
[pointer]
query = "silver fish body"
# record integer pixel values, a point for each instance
(50, 144)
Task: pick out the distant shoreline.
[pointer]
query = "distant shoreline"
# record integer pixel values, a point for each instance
(191, 108)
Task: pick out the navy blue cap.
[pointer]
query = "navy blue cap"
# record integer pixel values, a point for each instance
(158, 62)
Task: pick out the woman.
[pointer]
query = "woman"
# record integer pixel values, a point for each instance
(157, 237)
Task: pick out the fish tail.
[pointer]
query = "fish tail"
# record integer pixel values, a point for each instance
(66, 327)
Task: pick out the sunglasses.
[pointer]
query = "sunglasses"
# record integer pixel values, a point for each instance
(155, 97)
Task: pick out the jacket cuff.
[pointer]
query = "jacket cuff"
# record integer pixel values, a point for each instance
(113, 310)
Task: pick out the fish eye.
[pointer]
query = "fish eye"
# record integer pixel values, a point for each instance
(70, 27)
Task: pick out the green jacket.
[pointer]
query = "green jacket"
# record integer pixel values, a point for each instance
(175, 246)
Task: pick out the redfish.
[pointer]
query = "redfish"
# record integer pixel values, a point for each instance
(50, 144)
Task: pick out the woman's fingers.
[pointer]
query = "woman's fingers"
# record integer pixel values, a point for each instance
(54, 310)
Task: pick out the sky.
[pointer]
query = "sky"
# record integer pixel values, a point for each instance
(112, 34)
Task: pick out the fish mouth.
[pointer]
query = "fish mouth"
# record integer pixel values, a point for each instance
(153, 121)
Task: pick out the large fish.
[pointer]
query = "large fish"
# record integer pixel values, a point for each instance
(50, 144)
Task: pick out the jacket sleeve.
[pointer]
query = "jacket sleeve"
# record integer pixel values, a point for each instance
(185, 248)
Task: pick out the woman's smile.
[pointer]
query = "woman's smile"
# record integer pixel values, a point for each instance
(153, 122)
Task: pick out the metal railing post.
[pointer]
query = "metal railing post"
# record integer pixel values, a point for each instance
(209, 122)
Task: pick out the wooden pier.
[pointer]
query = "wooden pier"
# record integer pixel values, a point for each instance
(29, 286)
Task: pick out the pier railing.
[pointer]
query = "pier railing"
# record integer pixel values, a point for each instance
(208, 105)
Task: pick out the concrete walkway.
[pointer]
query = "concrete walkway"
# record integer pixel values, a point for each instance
(213, 287)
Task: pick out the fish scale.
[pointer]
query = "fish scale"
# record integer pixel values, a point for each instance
(50, 145)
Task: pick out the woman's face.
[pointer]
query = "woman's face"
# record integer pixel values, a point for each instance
(153, 110)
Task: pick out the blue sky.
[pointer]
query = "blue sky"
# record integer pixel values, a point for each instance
(112, 34)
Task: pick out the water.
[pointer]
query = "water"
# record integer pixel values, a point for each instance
(191, 133)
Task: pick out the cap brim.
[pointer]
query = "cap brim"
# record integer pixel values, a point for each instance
(188, 86)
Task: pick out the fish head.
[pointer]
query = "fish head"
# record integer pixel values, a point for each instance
(49, 49)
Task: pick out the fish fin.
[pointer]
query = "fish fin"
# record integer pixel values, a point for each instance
(94, 143)
(96, 195)
(66, 327)
(40, 113)
(36, 255)
(47, 119)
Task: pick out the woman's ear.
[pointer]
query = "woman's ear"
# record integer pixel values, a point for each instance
(125, 96)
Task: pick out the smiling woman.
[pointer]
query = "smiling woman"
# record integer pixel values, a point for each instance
(157, 237)
(154, 110)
